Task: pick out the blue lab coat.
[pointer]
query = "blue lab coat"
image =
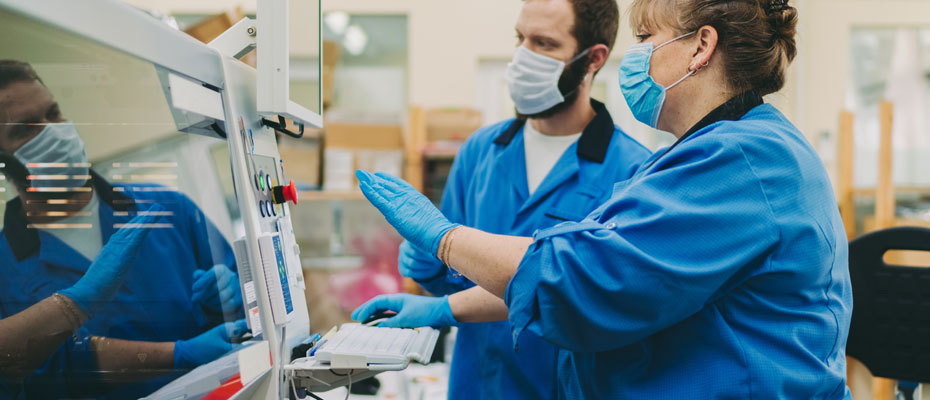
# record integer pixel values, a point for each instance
(487, 189)
(718, 271)
(153, 304)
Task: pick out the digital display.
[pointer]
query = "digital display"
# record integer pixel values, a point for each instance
(282, 272)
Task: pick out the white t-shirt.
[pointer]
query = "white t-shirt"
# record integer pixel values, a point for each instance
(542, 152)
(86, 241)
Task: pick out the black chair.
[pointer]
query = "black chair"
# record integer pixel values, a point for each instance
(890, 329)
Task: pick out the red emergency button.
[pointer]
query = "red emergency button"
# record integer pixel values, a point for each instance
(285, 193)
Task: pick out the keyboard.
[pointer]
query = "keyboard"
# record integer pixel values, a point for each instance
(379, 345)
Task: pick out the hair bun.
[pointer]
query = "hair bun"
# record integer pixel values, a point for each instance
(783, 20)
(776, 6)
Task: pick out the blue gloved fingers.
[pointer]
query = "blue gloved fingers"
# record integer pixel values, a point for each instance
(405, 260)
(217, 288)
(209, 345)
(204, 281)
(133, 233)
(373, 192)
(407, 210)
(384, 302)
(394, 322)
(415, 311)
(105, 275)
(418, 264)
(394, 180)
(223, 275)
(229, 298)
(234, 329)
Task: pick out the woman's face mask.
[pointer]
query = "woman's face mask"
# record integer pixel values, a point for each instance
(533, 80)
(643, 94)
(55, 158)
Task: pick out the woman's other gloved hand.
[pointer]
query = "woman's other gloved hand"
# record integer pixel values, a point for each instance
(412, 311)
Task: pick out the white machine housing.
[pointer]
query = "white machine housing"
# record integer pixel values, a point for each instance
(225, 91)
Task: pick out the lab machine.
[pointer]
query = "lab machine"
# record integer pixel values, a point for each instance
(182, 132)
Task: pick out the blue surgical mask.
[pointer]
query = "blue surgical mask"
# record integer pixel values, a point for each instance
(644, 96)
(55, 158)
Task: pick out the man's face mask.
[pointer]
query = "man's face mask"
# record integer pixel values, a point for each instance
(55, 159)
(534, 80)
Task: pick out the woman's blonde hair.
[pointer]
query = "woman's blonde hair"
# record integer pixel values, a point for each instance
(756, 37)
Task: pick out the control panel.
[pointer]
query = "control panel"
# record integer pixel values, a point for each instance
(275, 271)
(270, 192)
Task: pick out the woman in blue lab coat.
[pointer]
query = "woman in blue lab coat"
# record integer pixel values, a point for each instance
(718, 271)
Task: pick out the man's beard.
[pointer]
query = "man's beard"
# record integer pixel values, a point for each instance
(569, 85)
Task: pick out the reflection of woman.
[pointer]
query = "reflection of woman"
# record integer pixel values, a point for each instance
(718, 271)
(166, 298)
(29, 337)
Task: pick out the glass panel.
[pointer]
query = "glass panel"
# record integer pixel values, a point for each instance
(105, 202)
(362, 52)
(304, 24)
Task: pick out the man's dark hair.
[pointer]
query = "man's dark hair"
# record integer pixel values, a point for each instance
(596, 22)
(12, 71)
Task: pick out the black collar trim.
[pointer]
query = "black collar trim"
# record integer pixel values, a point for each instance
(733, 110)
(593, 143)
(24, 241)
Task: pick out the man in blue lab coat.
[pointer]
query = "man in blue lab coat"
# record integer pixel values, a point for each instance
(554, 163)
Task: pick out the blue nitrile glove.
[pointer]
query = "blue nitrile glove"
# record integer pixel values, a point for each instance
(217, 289)
(209, 345)
(410, 212)
(416, 264)
(106, 274)
(412, 311)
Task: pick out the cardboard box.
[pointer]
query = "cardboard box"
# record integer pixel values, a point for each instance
(302, 160)
(454, 124)
(209, 28)
(352, 146)
(363, 136)
(340, 166)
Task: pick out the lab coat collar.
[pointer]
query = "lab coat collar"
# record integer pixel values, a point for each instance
(733, 110)
(514, 158)
(24, 241)
(565, 168)
(594, 140)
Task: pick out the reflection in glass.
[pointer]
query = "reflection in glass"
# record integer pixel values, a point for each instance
(117, 273)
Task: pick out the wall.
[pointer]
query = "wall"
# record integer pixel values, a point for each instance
(446, 38)
(824, 62)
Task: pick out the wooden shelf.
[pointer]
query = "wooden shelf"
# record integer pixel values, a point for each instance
(321, 195)
(897, 190)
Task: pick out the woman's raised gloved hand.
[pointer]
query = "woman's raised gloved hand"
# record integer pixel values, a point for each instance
(410, 212)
